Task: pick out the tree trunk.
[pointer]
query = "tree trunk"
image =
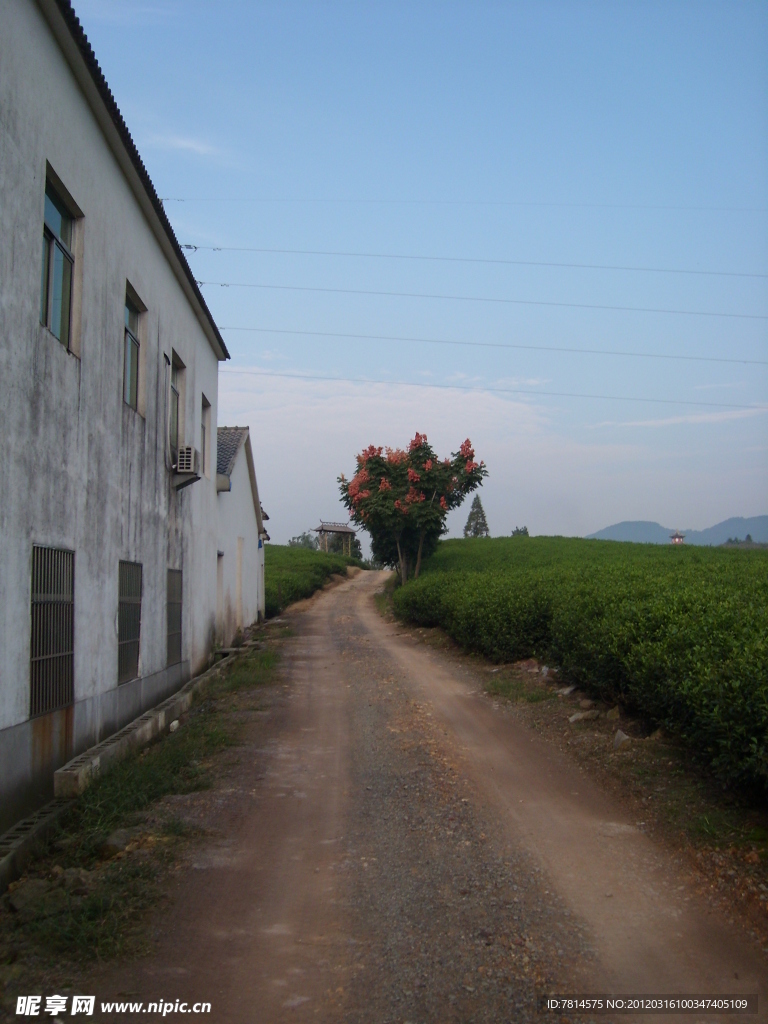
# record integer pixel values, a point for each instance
(418, 558)
(403, 564)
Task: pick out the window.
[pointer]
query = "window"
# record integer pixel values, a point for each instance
(52, 646)
(174, 616)
(128, 621)
(175, 385)
(205, 436)
(132, 347)
(56, 280)
(176, 407)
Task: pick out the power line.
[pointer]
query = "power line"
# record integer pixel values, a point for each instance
(495, 390)
(466, 202)
(500, 344)
(467, 259)
(479, 298)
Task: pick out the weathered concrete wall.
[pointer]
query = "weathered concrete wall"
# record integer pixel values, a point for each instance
(82, 470)
(242, 559)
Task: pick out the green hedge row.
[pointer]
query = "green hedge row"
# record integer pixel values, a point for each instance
(679, 636)
(293, 573)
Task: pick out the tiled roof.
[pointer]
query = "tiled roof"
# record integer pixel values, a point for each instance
(89, 58)
(333, 528)
(228, 441)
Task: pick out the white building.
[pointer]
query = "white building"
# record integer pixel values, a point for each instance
(240, 562)
(108, 388)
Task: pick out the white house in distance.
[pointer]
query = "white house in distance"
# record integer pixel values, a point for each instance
(240, 559)
(109, 358)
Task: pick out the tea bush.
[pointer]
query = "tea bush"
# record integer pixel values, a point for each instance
(293, 573)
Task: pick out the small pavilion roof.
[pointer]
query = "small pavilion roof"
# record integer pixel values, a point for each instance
(333, 528)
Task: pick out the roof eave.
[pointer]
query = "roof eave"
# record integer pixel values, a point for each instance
(242, 434)
(254, 485)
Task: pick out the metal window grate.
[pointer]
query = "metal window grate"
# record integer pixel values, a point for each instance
(52, 647)
(174, 616)
(128, 621)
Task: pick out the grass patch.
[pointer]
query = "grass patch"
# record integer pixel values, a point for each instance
(256, 671)
(384, 598)
(714, 827)
(177, 764)
(728, 827)
(515, 688)
(105, 923)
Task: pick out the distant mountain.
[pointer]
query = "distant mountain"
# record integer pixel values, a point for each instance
(641, 532)
(638, 532)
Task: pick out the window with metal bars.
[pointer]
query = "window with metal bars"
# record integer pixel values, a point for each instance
(128, 621)
(174, 616)
(52, 646)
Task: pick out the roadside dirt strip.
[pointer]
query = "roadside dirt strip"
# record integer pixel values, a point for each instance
(394, 847)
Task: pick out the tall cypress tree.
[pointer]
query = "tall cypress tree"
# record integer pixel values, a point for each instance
(477, 524)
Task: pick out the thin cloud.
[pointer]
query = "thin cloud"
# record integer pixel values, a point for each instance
(672, 421)
(184, 144)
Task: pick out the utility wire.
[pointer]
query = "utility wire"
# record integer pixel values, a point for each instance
(478, 298)
(500, 344)
(483, 389)
(466, 259)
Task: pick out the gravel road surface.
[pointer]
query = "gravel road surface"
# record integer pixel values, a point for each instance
(392, 846)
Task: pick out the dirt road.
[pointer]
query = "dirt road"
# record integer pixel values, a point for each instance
(392, 846)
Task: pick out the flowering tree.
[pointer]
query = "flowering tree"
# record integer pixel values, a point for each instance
(403, 497)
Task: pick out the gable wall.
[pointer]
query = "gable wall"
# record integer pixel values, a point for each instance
(239, 542)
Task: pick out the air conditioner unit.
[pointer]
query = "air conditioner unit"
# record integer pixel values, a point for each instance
(188, 460)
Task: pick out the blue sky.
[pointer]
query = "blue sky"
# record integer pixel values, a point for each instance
(617, 135)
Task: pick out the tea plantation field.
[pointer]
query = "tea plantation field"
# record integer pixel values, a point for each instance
(678, 635)
(293, 573)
